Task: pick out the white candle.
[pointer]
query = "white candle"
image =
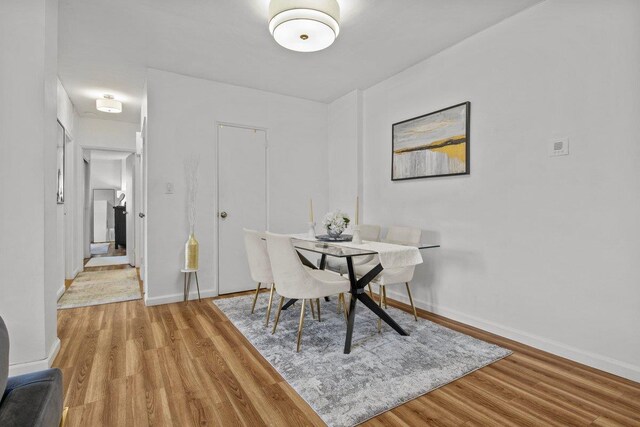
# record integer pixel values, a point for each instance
(310, 210)
(357, 209)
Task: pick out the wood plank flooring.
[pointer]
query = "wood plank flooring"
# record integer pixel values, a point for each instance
(125, 364)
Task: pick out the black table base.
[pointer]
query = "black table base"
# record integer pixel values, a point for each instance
(357, 294)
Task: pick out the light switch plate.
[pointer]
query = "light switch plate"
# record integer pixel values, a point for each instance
(169, 189)
(558, 147)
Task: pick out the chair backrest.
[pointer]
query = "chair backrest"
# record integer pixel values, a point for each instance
(404, 235)
(258, 257)
(370, 232)
(288, 272)
(4, 356)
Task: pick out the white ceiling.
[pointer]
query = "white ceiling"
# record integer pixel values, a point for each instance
(105, 46)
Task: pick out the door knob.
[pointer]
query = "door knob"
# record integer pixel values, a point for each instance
(223, 214)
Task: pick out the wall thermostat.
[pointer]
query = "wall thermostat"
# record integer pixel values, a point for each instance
(558, 147)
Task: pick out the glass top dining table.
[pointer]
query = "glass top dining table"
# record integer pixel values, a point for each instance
(348, 253)
(340, 251)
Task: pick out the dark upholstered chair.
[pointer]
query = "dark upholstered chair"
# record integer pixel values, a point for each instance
(28, 400)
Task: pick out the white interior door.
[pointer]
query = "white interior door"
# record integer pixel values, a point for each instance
(143, 203)
(137, 197)
(88, 220)
(242, 201)
(131, 208)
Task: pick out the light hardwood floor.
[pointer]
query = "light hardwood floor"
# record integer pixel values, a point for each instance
(179, 364)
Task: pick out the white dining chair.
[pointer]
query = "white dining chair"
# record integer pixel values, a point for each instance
(296, 282)
(392, 276)
(259, 266)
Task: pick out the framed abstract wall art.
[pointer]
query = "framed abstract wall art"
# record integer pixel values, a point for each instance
(435, 144)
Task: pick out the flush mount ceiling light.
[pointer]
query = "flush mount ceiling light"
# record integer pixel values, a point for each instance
(304, 25)
(108, 105)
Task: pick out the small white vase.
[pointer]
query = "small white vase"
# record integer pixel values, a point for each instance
(311, 234)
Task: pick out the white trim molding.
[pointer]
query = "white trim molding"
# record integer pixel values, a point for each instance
(598, 361)
(60, 292)
(168, 299)
(36, 365)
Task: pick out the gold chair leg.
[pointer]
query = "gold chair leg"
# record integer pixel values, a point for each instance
(346, 309)
(384, 292)
(255, 298)
(415, 315)
(63, 420)
(340, 300)
(301, 324)
(380, 292)
(313, 310)
(370, 290)
(318, 304)
(275, 323)
(270, 302)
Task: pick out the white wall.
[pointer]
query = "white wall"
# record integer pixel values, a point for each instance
(66, 113)
(107, 134)
(28, 157)
(344, 143)
(106, 174)
(70, 220)
(182, 116)
(543, 250)
(51, 286)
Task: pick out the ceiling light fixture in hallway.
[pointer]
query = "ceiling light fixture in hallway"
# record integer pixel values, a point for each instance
(108, 105)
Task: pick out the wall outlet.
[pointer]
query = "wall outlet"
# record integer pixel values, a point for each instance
(169, 188)
(558, 147)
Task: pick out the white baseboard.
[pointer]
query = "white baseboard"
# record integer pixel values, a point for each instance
(598, 361)
(60, 292)
(36, 365)
(168, 299)
(74, 273)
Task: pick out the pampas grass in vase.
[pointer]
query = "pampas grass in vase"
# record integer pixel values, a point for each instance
(191, 248)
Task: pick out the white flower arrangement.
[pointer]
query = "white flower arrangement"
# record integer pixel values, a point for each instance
(336, 222)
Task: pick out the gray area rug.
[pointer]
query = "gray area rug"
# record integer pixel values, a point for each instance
(101, 287)
(384, 370)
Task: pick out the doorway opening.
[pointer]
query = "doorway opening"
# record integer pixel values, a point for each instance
(109, 274)
(111, 206)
